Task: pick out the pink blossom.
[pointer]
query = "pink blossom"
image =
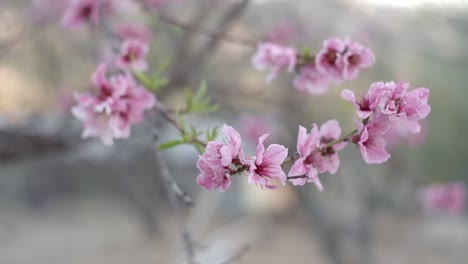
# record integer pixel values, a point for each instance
(132, 55)
(408, 107)
(220, 160)
(355, 58)
(266, 169)
(80, 11)
(328, 159)
(328, 60)
(133, 31)
(310, 80)
(366, 105)
(118, 104)
(213, 174)
(274, 58)
(370, 139)
(343, 59)
(307, 144)
(448, 197)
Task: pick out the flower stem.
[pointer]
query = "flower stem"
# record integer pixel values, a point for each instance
(346, 137)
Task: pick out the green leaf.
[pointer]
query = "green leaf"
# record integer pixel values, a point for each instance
(211, 135)
(169, 144)
(143, 79)
(200, 148)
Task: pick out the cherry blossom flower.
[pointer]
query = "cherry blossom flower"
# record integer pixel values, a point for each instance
(274, 58)
(407, 107)
(327, 158)
(370, 139)
(306, 145)
(328, 60)
(132, 55)
(220, 161)
(266, 169)
(355, 58)
(80, 11)
(444, 197)
(366, 105)
(343, 59)
(311, 81)
(118, 104)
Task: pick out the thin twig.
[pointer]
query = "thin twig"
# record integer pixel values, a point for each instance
(173, 192)
(166, 114)
(210, 33)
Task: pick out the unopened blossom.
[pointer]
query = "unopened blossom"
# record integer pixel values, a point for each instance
(117, 104)
(329, 60)
(302, 169)
(370, 139)
(444, 197)
(133, 31)
(220, 161)
(355, 58)
(311, 80)
(366, 105)
(132, 55)
(274, 58)
(81, 11)
(266, 170)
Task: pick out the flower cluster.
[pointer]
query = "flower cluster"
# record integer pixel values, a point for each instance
(448, 197)
(386, 105)
(317, 152)
(221, 161)
(338, 60)
(118, 104)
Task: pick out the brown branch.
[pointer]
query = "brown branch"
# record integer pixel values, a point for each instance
(173, 192)
(231, 15)
(210, 33)
(166, 114)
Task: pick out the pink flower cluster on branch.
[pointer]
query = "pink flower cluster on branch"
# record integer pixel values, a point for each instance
(385, 105)
(221, 161)
(117, 104)
(315, 155)
(337, 61)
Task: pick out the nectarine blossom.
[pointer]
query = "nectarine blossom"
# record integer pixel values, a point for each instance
(118, 104)
(274, 58)
(266, 169)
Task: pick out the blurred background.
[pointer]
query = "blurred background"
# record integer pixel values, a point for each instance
(68, 200)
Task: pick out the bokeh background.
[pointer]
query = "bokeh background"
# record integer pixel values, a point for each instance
(68, 200)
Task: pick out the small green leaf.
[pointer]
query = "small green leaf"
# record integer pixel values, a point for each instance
(200, 148)
(143, 79)
(169, 144)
